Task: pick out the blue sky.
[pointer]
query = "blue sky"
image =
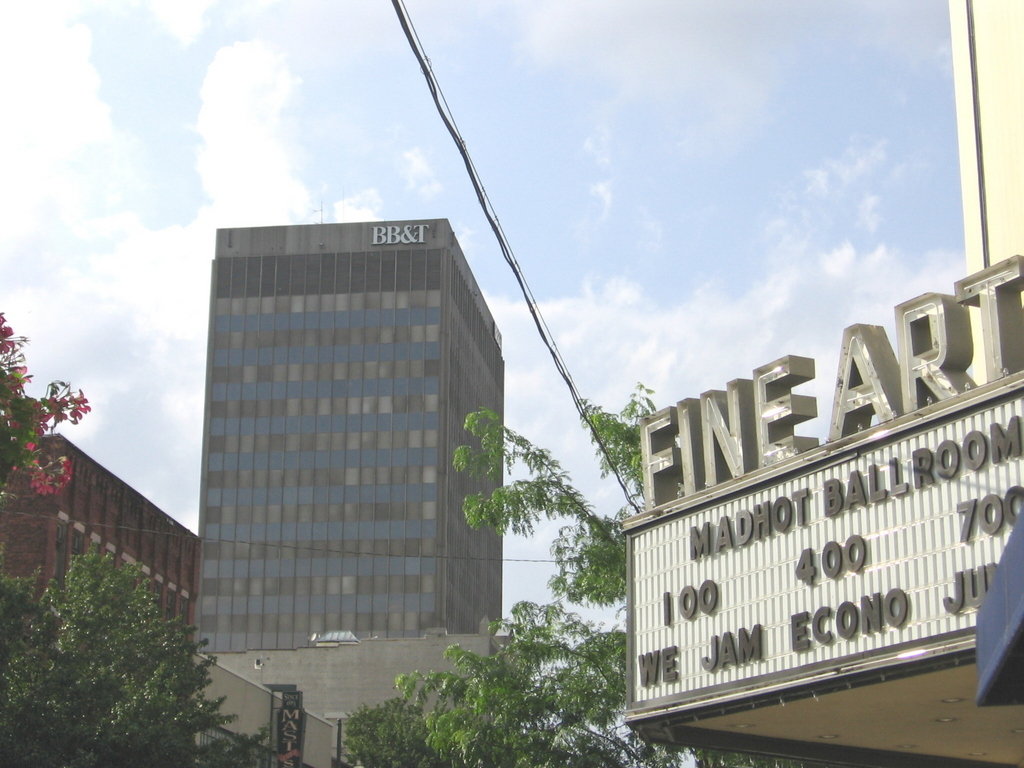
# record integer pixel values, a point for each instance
(693, 188)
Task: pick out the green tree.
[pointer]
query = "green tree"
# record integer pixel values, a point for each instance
(390, 735)
(554, 694)
(92, 676)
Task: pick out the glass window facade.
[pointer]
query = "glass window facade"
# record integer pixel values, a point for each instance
(339, 375)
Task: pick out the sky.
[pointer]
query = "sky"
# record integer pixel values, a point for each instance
(693, 188)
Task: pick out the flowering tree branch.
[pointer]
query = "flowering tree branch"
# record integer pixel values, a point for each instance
(25, 419)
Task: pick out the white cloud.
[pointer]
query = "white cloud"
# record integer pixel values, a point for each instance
(418, 174)
(648, 47)
(598, 146)
(651, 232)
(797, 299)
(817, 181)
(833, 201)
(723, 59)
(664, 48)
(184, 19)
(602, 190)
(247, 162)
(839, 262)
(867, 213)
(836, 174)
(362, 206)
(613, 334)
(55, 114)
(133, 300)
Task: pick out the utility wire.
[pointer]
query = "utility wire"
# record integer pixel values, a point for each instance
(485, 204)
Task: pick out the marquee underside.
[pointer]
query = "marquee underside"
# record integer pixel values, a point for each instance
(923, 719)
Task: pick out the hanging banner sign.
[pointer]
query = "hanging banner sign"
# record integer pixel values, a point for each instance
(290, 725)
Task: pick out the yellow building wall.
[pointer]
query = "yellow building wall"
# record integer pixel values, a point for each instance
(988, 70)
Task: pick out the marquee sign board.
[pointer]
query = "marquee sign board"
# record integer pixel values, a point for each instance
(863, 555)
(871, 552)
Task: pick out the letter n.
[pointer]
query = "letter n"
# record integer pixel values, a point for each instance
(730, 445)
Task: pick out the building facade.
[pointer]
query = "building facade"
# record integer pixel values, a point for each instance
(339, 675)
(41, 533)
(255, 706)
(343, 359)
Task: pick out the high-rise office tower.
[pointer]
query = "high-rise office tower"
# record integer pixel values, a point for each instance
(343, 359)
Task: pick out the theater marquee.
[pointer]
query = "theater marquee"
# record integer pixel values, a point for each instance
(768, 567)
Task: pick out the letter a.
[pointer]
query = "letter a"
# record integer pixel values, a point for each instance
(868, 382)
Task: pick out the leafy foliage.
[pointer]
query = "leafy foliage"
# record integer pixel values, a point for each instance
(590, 549)
(553, 695)
(92, 676)
(390, 735)
(24, 419)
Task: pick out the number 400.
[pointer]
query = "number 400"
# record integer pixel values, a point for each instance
(835, 560)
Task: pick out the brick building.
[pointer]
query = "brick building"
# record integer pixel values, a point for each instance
(40, 534)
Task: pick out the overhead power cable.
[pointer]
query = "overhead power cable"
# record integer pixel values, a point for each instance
(506, 250)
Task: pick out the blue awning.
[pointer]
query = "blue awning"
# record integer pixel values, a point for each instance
(1000, 629)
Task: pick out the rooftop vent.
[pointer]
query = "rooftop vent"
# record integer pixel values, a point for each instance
(334, 637)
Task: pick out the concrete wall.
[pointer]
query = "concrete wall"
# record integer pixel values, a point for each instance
(250, 702)
(337, 680)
